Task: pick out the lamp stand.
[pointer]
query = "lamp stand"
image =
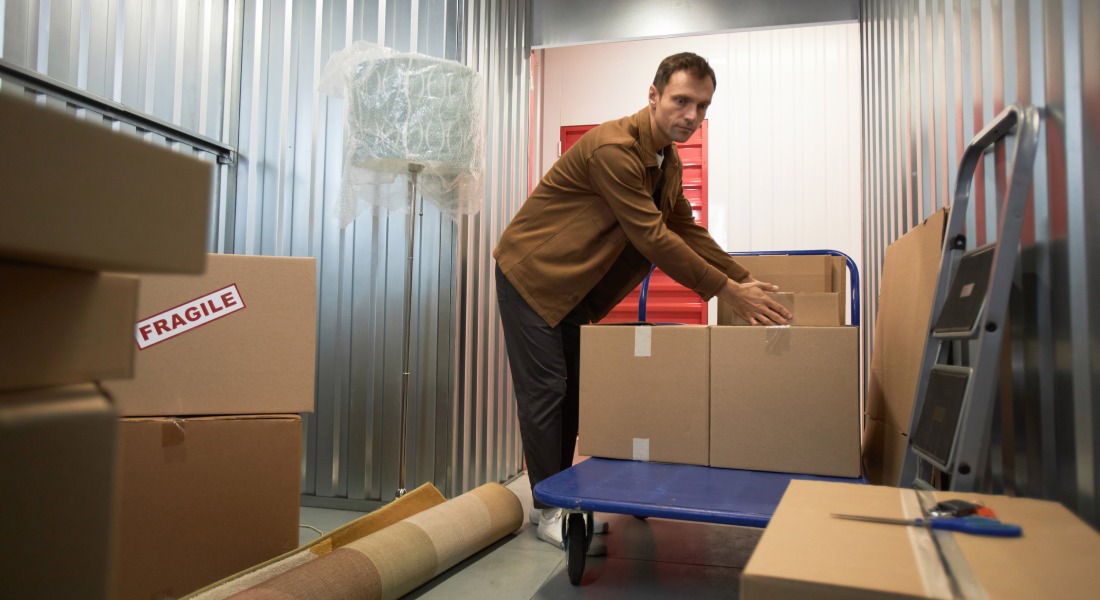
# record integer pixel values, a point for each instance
(410, 236)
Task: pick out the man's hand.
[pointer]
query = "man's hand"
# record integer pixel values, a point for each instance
(750, 302)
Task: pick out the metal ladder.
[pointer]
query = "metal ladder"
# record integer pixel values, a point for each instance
(949, 434)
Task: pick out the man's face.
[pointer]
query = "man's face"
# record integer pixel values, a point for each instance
(681, 108)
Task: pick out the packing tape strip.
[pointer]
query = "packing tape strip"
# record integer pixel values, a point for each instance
(933, 577)
(643, 341)
(641, 449)
(963, 582)
(777, 338)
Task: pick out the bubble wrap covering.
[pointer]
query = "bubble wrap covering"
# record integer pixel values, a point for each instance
(406, 108)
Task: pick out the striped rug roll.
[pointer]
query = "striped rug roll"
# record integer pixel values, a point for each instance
(401, 557)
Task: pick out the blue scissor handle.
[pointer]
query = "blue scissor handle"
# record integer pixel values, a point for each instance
(976, 526)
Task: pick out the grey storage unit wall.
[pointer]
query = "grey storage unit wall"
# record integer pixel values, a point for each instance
(934, 72)
(244, 74)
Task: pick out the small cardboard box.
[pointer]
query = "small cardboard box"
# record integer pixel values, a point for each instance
(909, 273)
(807, 553)
(644, 393)
(797, 273)
(203, 498)
(239, 339)
(810, 309)
(883, 451)
(785, 399)
(64, 326)
(57, 484)
(77, 194)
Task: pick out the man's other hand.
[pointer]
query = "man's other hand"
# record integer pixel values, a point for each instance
(749, 300)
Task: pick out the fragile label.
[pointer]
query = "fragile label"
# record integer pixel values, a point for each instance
(188, 316)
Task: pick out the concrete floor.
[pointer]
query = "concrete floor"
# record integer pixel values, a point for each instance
(652, 558)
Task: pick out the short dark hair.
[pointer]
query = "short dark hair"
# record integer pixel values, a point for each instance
(695, 65)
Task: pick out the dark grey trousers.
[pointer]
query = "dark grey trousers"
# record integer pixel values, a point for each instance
(545, 362)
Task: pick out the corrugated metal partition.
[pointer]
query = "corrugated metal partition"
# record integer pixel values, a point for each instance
(461, 422)
(245, 74)
(165, 60)
(935, 71)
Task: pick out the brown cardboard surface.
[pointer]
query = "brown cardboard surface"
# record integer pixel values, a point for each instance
(630, 401)
(64, 326)
(810, 309)
(77, 194)
(785, 399)
(57, 475)
(797, 273)
(258, 359)
(883, 450)
(203, 498)
(909, 273)
(807, 553)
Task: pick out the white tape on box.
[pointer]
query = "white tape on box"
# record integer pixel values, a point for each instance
(643, 341)
(641, 449)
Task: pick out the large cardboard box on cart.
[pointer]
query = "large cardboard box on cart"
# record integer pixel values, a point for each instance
(785, 399)
(807, 553)
(814, 273)
(644, 393)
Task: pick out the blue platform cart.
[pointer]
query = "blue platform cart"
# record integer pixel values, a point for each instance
(683, 492)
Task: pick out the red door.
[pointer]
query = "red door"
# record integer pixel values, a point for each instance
(667, 301)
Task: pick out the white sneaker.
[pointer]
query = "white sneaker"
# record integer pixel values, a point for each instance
(598, 524)
(549, 530)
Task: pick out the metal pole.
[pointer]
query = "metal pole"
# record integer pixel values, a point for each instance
(410, 236)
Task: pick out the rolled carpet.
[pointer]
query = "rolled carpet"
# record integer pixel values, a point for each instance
(397, 559)
(420, 499)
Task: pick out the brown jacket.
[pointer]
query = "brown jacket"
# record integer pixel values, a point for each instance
(590, 229)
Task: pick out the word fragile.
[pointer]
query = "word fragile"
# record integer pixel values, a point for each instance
(188, 316)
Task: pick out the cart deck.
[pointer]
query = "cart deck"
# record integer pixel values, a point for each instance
(684, 492)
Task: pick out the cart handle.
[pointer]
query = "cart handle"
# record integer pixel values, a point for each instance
(847, 259)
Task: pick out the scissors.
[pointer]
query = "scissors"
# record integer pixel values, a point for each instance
(971, 525)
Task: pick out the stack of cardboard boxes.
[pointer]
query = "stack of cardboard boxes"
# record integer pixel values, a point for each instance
(210, 435)
(78, 200)
(762, 398)
(149, 435)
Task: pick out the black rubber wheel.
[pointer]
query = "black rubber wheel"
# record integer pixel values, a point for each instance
(576, 547)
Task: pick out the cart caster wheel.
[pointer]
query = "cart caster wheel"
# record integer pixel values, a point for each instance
(576, 546)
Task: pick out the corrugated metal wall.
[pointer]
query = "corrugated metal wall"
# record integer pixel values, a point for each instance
(166, 60)
(245, 73)
(935, 71)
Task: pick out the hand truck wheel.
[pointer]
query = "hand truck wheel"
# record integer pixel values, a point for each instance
(576, 546)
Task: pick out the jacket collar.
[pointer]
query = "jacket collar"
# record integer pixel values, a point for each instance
(645, 138)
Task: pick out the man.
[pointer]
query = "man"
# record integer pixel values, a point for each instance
(585, 238)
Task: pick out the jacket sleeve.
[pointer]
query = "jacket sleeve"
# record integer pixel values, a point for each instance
(619, 177)
(682, 222)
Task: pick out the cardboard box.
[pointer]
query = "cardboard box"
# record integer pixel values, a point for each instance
(77, 194)
(883, 451)
(909, 273)
(57, 476)
(785, 399)
(797, 273)
(238, 339)
(201, 499)
(806, 553)
(810, 309)
(64, 326)
(644, 393)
